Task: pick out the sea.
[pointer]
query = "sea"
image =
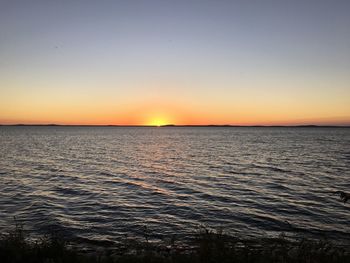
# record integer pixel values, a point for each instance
(102, 184)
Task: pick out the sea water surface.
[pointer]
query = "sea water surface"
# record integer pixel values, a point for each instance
(97, 184)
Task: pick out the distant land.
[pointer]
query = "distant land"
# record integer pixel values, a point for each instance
(173, 125)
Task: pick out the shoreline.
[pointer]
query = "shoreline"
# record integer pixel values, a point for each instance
(205, 246)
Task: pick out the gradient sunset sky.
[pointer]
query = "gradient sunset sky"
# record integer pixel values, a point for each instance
(182, 62)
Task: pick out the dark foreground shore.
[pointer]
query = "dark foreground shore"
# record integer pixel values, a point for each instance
(204, 246)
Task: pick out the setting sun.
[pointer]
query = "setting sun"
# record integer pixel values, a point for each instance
(158, 121)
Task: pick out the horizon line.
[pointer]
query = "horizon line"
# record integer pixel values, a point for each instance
(174, 125)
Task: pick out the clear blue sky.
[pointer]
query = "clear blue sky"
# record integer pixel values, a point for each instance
(137, 62)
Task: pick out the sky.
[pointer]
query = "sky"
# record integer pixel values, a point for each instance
(248, 62)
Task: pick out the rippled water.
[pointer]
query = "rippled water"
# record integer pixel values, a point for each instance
(99, 183)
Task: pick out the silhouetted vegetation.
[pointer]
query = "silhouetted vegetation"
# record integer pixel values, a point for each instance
(205, 246)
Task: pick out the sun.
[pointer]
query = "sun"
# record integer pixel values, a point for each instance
(158, 122)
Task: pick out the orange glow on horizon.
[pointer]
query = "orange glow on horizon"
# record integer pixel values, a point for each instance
(158, 112)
